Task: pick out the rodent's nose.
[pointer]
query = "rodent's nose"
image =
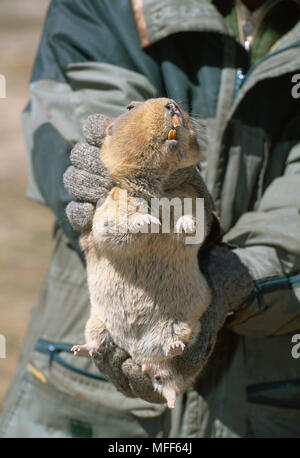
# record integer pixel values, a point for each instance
(172, 108)
(175, 113)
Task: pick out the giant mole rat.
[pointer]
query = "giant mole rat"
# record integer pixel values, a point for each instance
(145, 285)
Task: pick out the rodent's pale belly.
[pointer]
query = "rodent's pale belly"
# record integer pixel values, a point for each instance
(139, 304)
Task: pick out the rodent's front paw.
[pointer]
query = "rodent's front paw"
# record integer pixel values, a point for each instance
(186, 223)
(139, 222)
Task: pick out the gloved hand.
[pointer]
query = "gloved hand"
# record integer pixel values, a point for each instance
(87, 180)
(119, 368)
(231, 285)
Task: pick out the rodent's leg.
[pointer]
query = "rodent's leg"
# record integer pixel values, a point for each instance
(96, 334)
(138, 217)
(200, 218)
(181, 335)
(87, 350)
(106, 218)
(120, 216)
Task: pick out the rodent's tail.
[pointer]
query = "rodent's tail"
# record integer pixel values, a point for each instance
(169, 393)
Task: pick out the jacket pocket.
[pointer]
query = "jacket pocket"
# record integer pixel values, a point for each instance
(277, 416)
(52, 363)
(42, 410)
(55, 398)
(273, 387)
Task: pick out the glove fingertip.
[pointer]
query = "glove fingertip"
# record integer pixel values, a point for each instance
(80, 215)
(93, 128)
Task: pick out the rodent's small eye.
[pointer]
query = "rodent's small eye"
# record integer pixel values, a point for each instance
(172, 107)
(133, 105)
(157, 378)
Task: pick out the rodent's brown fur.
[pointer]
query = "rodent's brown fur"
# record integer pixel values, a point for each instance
(146, 289)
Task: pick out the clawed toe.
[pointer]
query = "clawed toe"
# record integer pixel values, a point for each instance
(84, 350)
(175, 349)
(139, 221)
(186, 224)
(79, 350)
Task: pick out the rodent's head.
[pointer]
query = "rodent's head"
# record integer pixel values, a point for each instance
(152, 139)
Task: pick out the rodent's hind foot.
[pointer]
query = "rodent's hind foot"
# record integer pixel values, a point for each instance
(85, 350)
(175, 348)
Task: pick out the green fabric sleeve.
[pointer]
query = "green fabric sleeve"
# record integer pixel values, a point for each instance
(78, 72)
(54, 123)
(268, 243)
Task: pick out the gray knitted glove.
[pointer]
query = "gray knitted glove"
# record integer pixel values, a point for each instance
(231, 285)
(87, 180)
(118, 367)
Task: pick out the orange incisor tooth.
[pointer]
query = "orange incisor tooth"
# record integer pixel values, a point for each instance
(176, 120)
(172, 134)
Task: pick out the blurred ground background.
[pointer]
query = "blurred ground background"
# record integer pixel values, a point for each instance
(25, 230)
